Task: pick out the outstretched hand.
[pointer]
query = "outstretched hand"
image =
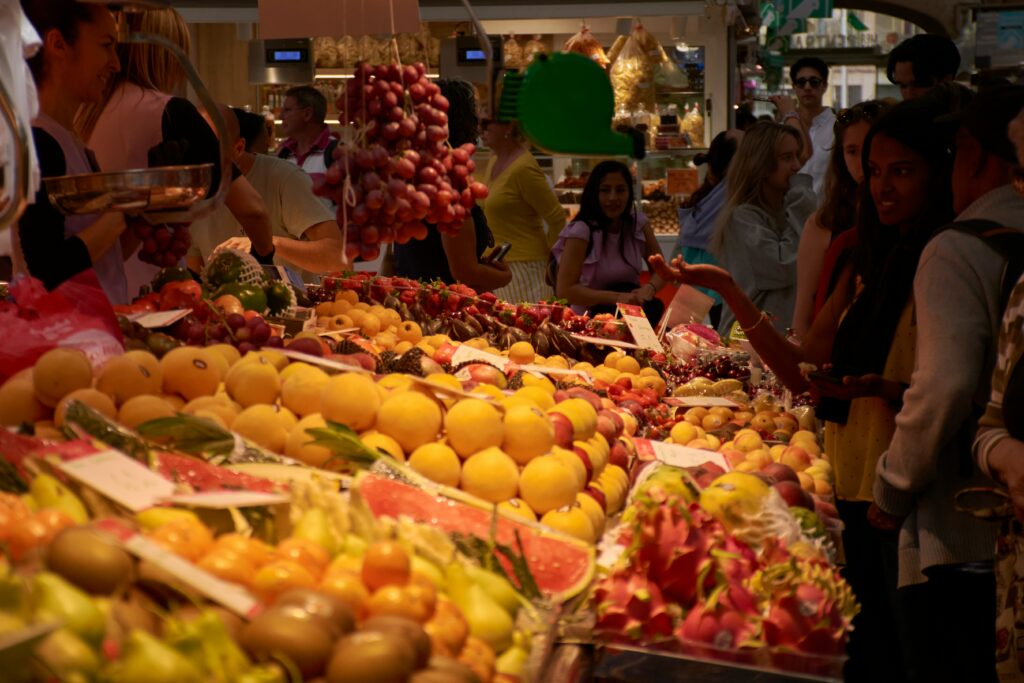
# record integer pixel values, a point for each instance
(699, 275)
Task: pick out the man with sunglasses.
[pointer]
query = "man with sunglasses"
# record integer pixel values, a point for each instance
(921, 62)
(814, 120)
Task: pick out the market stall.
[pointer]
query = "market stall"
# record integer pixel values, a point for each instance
(377, 479)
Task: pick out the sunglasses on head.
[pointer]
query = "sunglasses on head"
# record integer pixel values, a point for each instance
(814, 82)
(868, 111)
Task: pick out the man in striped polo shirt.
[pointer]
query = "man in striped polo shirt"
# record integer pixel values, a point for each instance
(308, 140)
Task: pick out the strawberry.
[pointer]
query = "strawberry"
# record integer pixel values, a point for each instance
(527, 321)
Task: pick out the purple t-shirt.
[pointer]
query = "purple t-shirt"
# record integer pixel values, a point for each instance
(608, 262)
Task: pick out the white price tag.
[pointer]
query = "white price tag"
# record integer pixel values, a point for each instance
(231, 595)
(158, 319)
(640, 327)
(681, 456)
(223, 500)
(322, 362)
(120, 478)
(467, 353)
(601, 341)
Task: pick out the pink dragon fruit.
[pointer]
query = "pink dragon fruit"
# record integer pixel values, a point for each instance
(728, 620)
(806, 620)
(675, 553)
(631, 608)
(736, 561)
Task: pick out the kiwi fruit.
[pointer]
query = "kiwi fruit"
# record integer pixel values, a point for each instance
(330, 609)
(90, 559)
(407, 629)
(290, 633)
(371, 657)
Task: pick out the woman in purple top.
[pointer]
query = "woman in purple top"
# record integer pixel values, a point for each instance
(601, 253)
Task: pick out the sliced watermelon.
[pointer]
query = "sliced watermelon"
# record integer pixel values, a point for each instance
(561, 566)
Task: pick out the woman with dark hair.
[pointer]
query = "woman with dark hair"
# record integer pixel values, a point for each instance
(455, 258)
(601, 253)
(77, 60)
(837, 214)
(697, 215)
(866, 333)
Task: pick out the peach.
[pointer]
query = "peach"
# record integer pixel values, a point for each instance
(699, 413)
(683, 432)
(806, 481)
(787, 422)
(733, 457)
(822, 488)
(759, 457)
(776, 451)
(725, 413)
(712, 422)
(745, 466)
(700, 444)
(803, 435)
(763, 422)
(743, 416)
(796, 457)
(747, 442)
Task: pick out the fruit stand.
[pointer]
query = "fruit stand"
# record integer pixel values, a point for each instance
(380, 480)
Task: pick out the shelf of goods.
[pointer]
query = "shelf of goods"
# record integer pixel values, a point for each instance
(415, 483)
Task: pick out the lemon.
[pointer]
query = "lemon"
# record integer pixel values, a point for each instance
(570, 520)
(613, 358)
(522, 353)
(395, 382)
(302, 392)
(528, 433)
(135, 373)
(382, 442)
(299, 368)
(410, 418)
(473, 425)
(190, 372)
(253, 383)
(489, 391)
(594, 511)
(535, 394)
(265, 425)
(139, 409)
(223, 407)
(226, 351)
(437, 462)
(546, 483)
(541, 382)
(490, 474)
(298, 445)
(628, 364)
(350, 399)
(519, 508)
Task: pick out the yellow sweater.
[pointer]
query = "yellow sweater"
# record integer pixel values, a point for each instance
(518, 204)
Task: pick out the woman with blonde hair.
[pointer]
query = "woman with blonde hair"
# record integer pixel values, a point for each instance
(519, 204)
(141, 123)
(759, 228)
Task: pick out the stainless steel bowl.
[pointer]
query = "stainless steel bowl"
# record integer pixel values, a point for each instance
(152, 189)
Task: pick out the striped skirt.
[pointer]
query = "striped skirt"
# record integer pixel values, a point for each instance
(527, 283)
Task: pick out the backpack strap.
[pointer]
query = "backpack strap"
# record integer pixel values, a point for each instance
(1005, 241)
(329, 152)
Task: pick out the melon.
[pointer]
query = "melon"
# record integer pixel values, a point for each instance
(561, 566)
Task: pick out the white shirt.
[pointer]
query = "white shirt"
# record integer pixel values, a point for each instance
(291, 205)
(822, 138)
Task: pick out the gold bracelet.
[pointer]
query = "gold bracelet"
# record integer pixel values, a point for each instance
(748, 330)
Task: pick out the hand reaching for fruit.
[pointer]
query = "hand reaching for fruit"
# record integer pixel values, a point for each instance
(699, 275)
(241, 244)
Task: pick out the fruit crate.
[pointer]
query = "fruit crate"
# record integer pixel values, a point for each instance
(708, 664)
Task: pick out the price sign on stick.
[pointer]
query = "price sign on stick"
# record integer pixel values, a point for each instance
(640, 327)
(120, 478)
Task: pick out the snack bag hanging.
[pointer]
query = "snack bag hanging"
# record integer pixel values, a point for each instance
(534, 47)
(513, 53)
(632, 76)
(586, 44)
(668, 76)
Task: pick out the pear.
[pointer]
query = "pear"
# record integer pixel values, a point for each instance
(487, 620)
(50, 493)
(57, 600)
(497, 587)
(154, 518)
(316, 527)
(148, 660)
(512, 661)
(67, 656)
(426, 568)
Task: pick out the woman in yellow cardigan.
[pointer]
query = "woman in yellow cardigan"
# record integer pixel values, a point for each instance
(520, 202)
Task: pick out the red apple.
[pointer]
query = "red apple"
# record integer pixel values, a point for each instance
(487, 374)
(624, 382)
(794, 495)
(585, 457)
(780, 472)
(633, 407)
(587, 395)
(563, 429)
(619, 455)
(598, 495)
(560, 395)
(444, 353)
(796, 458)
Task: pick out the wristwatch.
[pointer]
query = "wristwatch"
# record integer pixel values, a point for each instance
(790, 115)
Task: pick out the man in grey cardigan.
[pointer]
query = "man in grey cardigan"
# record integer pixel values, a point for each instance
(945, 557)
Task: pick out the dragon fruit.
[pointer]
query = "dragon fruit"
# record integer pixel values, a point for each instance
(631, 608)
(727, 620)
(675, 549)
(806, 620)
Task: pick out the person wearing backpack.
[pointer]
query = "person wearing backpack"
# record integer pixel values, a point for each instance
(945, 576)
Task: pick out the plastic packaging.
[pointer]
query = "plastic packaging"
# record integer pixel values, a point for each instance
(586, 44)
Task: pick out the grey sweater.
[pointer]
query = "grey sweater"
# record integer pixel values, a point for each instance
(956, 298)
(759, 251)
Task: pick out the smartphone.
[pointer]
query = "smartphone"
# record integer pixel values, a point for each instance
(498, 253)
(824, 377)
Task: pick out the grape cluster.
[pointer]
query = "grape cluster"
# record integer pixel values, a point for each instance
(162, 245)
(234, 329)
(712, 367)
(405, 173)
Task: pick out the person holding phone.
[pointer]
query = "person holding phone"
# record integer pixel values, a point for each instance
(458, 257)
(601, 253)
